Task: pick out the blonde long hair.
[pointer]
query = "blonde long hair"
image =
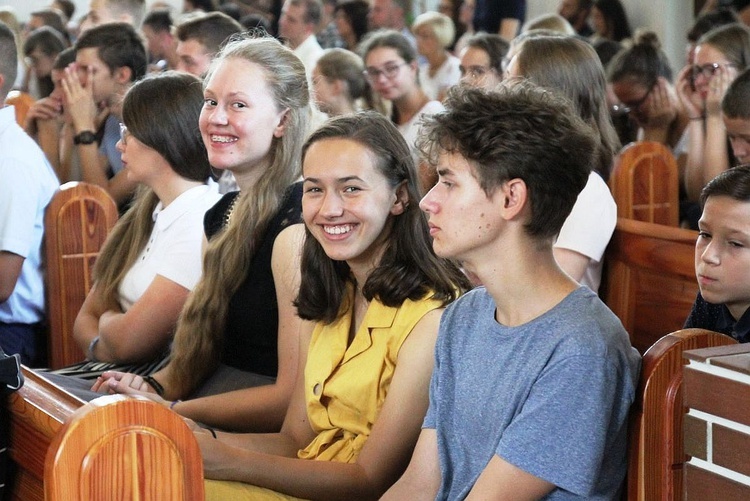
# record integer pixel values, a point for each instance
(199, 338)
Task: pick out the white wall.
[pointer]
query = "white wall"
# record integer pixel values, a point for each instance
(670, 19)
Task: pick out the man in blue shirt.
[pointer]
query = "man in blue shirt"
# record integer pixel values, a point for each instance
(534, 376)
(27, 183)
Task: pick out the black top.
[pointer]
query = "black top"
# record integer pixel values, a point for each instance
(716, 317)
(489, 13)
(250, 335)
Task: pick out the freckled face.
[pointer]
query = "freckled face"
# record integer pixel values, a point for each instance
(462, 218)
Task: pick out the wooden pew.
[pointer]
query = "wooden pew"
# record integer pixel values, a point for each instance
(22, 102)
(77, 222)
(37, 412)
(122, 448)
(649, 281)
(717, 419)
(40, 409)
(136, 445)
(645, 183)
(655, 454)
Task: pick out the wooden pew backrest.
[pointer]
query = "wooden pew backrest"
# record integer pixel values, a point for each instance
(77, 222)
(22, 102)
(650, 279)
(656, 454)
(37, 412)
(122, 448)
(645, 183)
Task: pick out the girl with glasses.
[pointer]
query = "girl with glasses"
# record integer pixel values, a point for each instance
(152, 259)
(641, 78)
(720, 55)
(391, 68)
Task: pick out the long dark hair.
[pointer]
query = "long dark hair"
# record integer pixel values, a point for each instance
(409, 268)
(170, 129)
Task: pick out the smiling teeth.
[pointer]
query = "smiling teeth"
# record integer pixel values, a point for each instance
(338, 230)
(223, 139)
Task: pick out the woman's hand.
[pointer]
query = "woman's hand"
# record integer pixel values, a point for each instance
(689, 97)
(216, 454)
(125, 383)
(717, 88)
(661, 107)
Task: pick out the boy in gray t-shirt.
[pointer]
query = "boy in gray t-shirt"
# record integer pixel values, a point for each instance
(534, 376)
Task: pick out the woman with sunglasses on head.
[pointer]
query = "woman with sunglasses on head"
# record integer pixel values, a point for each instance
(641, 78)
(239, 329)
(720, 55)
(392, 70)
(376, 290)
(152, 259)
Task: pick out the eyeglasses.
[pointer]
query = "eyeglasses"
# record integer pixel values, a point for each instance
(124, 134)
(625, 108)
(708, 70)
(475, 72)
(390, 71)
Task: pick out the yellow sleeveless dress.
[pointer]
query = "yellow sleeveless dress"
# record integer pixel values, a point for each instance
(345, 387)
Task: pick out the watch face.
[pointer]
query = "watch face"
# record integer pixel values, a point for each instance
(85, 137)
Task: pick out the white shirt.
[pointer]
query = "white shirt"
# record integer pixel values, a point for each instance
(309, 52)
(589, 227)
(445, 77)
(27, 183)
(410, 130)
(174, 249)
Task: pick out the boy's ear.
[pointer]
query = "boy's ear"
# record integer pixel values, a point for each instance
(338, 85)
(402, 200)
(514, 196)
(123, 75)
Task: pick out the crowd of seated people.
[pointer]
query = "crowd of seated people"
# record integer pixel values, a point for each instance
(274, 277)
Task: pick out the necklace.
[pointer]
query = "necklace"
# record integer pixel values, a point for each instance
(230, 211)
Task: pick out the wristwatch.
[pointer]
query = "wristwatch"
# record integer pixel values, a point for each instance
(84, 137)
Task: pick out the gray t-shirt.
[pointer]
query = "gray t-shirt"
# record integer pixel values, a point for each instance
(551, 396)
